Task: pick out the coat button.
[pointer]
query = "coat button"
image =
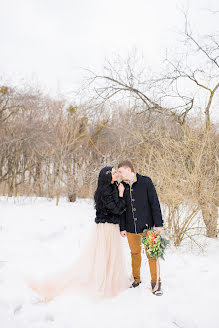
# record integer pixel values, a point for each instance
(134, 209)
(135, 219)
(133, 199)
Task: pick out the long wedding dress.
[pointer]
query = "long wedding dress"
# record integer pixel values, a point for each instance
(100, 271)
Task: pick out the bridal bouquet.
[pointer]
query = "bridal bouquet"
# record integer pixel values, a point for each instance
(154, 243)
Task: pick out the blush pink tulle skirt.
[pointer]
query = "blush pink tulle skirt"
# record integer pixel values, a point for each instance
(99, 272)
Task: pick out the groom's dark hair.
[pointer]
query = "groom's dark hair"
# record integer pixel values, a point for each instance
(126, 164)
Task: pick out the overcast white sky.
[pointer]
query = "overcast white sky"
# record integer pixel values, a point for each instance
(49, 41)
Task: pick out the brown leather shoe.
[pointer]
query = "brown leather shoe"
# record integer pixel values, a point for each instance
(157, 292)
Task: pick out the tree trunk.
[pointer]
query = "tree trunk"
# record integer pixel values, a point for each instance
(210, 216)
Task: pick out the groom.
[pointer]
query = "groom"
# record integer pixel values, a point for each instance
(143, 211)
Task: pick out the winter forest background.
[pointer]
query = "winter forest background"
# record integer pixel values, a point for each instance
(118, 80)
(163, 121)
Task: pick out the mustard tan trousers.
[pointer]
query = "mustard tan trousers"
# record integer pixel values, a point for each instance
(134, 241)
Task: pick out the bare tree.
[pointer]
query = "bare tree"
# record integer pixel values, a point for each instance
(128, 79)
(196, 71)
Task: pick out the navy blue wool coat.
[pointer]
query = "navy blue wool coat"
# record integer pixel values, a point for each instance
(142, 206)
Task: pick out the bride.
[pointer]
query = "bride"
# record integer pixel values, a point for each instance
(100, 270)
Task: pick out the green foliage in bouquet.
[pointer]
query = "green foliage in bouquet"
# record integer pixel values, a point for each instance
(154, 243)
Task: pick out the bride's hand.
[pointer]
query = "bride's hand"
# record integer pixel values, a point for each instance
(121, 189)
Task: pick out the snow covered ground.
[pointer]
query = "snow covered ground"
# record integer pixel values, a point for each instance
(37, 237)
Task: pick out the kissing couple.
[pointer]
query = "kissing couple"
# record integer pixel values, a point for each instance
(124, 209)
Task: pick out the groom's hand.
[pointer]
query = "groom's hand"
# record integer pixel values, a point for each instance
(123, 233)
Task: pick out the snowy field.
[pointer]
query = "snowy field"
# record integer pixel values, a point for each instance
(37, 237)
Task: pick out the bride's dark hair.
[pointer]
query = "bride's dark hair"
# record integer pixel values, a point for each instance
(104, 181)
